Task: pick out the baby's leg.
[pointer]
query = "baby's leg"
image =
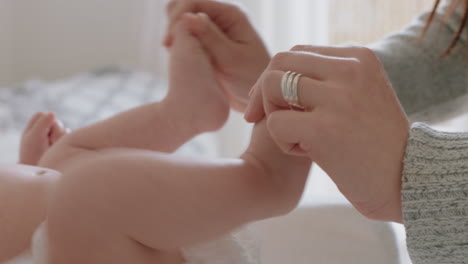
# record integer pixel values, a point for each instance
(24, 189)
(194, 104)
(167, 203)
(23, 196)
(136, 206)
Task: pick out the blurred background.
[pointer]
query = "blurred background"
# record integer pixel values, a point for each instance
(50, 42)
(51, 39)
(88, 59)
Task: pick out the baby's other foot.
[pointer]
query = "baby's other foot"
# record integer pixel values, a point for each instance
(193, 86)
(42, 131)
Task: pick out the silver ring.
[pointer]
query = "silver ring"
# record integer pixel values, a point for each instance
(284, 85)
(289, 87)
(295, 95)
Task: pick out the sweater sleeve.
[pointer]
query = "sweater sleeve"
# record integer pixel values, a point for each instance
(418, 73)
(435, 196)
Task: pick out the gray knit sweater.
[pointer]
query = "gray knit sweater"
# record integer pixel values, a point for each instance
(435, 176)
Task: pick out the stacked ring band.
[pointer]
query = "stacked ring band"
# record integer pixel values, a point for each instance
(289, 85)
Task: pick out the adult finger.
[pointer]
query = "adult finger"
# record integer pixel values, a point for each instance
(254, 112)
(358, 52)
(333, 51)
(312, 65)
(294, 131)
(209, 34)
(222, 13)
(311, 93)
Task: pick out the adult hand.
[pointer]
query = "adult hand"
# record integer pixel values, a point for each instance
(353, 125)
(238, 54)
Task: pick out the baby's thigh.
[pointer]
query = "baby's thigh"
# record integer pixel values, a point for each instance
(83, 226)
(86, 244)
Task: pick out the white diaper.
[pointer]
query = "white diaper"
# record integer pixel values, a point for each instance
(39, 245)
(240, 247)
(237, 248)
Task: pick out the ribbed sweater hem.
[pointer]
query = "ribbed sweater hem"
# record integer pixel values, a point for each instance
(435, 196)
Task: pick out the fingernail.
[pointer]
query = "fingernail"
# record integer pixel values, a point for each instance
(251, 91)
(247, 112)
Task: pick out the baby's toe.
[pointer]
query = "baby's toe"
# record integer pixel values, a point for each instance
(33, 120)
(58, 130)
(43, 125)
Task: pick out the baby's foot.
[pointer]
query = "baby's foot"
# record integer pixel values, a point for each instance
(42, 131)
(194, 89)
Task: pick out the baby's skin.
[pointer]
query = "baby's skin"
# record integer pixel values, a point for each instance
(24, 187)
(117, 194)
